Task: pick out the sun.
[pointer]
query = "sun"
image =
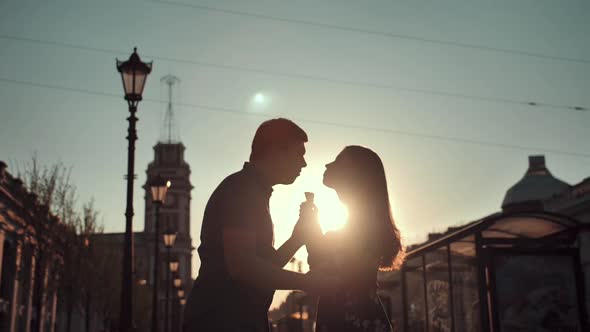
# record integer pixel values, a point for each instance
(259, 98)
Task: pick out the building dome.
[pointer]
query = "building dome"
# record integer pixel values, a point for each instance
(537, 185)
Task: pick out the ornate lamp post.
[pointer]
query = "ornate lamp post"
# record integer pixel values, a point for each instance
(159, 188)
(182, 302)
(133, 74)
(169, 239)
(177, 285)
(180, 294)
(174, 266)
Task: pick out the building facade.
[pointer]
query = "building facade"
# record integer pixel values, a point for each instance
(30, 259)
(174, 216)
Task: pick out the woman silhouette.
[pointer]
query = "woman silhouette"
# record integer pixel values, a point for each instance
(369, 242)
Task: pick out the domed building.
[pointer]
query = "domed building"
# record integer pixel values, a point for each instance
(537, 185)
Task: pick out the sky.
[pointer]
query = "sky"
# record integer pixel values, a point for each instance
(439, 89)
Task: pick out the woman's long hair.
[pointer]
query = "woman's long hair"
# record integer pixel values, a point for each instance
(369, 186)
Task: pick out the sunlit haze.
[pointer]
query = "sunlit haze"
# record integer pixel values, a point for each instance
(454, 125)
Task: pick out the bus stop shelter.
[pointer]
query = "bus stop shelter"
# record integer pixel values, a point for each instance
(517, 271)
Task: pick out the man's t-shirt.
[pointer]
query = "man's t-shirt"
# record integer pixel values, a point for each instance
(217, 302)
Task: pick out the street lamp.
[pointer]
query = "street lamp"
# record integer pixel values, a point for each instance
(177, 282)
(133, 74)
(173, 266)
(169, 238)
(159, 188)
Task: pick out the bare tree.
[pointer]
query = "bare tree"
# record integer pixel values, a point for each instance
(89, 271)
(89, 280)
(54, 189)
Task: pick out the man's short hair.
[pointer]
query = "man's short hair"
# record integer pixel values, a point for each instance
(275, 134)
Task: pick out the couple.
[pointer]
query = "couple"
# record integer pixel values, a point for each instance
(241, 269)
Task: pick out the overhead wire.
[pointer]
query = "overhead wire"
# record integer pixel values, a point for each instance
(319, 122)
(528, 103)
(371, 32)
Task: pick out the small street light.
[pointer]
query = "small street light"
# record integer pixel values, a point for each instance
(182, 303)
(173, 266)
(169, 239)
(159, 188)
(177, 282)
(133, 74)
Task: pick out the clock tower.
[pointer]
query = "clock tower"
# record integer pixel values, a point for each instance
(174, 217)
(175, 212)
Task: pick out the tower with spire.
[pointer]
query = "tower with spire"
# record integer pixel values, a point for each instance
(169, 163)
(169, 131)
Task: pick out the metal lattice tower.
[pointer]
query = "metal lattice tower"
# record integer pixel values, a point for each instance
(169, 125)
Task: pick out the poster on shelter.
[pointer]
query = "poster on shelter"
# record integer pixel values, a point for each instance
(536, 293)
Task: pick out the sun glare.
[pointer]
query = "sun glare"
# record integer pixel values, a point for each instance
(332, 213)
(285, 202)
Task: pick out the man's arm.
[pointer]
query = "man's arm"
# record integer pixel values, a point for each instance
(284, 254)
(239, 247)
(316, 251)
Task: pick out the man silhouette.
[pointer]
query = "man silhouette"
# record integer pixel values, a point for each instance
(240, 268)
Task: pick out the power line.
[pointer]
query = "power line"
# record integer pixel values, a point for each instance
(216, 109)
(439, 93)
(373, 32)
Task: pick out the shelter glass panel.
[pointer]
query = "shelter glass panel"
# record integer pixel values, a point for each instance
(416, 305)
(438, 290)
(527, 227)
(537, 292)
(390, 294)
(465, 286)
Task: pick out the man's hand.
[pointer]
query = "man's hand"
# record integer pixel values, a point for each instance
(307, 225)
(302, 234)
